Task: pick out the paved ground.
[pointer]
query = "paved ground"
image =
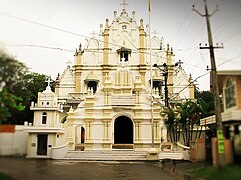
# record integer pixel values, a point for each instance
(21, 169)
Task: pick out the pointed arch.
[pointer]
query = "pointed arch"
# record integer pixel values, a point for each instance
(44, 118)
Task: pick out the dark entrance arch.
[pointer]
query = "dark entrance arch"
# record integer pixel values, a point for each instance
(123, 130)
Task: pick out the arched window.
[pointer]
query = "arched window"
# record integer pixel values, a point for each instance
(230, 97)
(91, 81)
(44, 118)
(157, 84)
(93, 85)
(124, 54)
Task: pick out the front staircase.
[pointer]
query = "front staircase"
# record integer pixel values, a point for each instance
(114, 155)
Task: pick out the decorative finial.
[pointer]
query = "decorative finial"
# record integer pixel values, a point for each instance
(161, 45)
(190, 78)
(141, 23)
(80, 46)
(133, 16)
(107, 23)
(101, 28)
(147, 28)
(57, 78)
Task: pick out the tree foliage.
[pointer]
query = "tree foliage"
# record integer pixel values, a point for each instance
(171, 124)
(183, 119)
(33, 83)
(11, 72)
(20, 88)
(190, 114)
(205, 98)
(9, 101)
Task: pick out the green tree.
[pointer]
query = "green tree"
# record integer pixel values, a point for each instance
(191, 112)
(184, 119)
(10, 74)
(206, 99)
(172, 124)
(8, 101)
(20, 88)
(32, 84)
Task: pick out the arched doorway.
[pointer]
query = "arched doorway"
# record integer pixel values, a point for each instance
(79, 138)
(82, 135)
(123, 130)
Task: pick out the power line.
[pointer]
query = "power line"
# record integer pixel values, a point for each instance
(190, 84)
(230, 21)
(201, 76)
(51, 27)
(87, 50)
(39, 46)
(72, 33)
(68, 32)
(232, 36)
(184, 21)
(185, 32)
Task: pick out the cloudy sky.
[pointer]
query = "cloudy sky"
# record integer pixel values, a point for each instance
(25, 30)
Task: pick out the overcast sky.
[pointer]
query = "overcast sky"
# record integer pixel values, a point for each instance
(174, 20)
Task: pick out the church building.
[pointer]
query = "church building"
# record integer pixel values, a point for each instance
(112, 96)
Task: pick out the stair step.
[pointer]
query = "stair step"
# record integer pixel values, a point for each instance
(115, 155)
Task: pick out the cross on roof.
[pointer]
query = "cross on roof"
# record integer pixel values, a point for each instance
(48, 80)
(180, 62)
(155, 33)
(124, 5)
(68, 62)
(93, 34)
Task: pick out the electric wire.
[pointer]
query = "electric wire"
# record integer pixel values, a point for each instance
(65, 31)
(229, 21)
(76, 34)
(52, 27)
(197, 79)
(39, 46)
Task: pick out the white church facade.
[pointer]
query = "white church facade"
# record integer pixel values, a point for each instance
(106, 100)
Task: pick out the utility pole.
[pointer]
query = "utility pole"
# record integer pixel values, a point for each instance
(165, 74)
(219, 126)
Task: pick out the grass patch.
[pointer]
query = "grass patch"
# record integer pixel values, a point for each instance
(4, 177)
(230, 172)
